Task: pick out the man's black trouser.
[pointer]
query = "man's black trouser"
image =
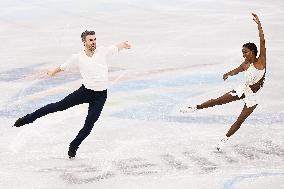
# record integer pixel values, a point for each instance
(96, 100)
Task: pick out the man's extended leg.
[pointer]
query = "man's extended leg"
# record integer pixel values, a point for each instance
(95, 108)
(75, 98)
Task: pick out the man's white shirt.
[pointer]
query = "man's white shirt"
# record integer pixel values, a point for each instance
(94, 70)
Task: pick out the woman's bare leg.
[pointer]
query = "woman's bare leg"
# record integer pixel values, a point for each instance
(242, 117)
(226, 98)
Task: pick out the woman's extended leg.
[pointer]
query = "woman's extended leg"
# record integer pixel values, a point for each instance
(226, 98)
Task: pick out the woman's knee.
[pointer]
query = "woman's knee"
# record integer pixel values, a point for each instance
(216, 101)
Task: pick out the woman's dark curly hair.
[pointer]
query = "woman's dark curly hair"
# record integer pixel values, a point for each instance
(252, 47)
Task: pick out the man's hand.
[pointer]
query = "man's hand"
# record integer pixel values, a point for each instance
(50, 73)
(53, 72)
(123, 45)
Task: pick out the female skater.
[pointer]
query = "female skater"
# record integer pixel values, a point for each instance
(254, 68)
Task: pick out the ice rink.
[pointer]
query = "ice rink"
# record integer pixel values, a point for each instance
(180, 51)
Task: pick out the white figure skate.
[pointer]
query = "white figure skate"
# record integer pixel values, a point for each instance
(222, 143)
(189, 109)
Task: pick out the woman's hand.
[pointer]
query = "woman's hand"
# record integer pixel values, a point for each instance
(256, 19)
(225, 76)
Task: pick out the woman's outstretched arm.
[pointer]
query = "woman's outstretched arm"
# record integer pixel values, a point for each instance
(262, 55)
(234, 71)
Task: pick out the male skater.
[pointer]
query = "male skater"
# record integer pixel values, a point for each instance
(94, 71)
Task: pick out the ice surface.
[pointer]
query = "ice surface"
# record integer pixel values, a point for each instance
(180, 51)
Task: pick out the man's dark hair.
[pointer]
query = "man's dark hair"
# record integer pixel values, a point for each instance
(252, 47)
(85, 33)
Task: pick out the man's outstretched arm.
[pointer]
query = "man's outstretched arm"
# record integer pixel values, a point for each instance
(54, 71)
(73, 59)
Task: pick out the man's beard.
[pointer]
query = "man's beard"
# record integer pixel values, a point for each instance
(92, 48)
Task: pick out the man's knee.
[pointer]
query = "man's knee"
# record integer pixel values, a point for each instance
(59, 106)
(92, 121)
